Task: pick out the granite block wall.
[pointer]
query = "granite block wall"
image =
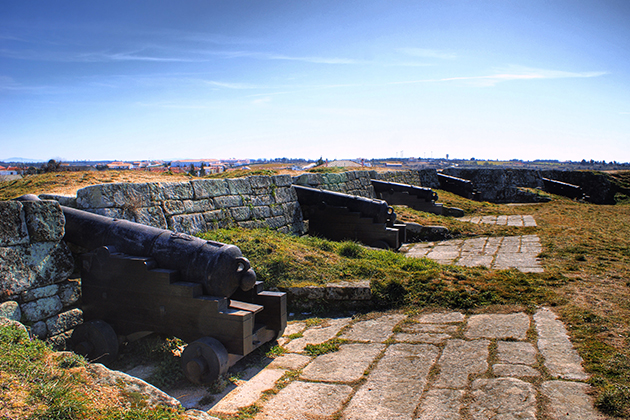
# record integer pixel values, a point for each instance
(422, 178)
(200, 205)
(35, 266)
(352, 182)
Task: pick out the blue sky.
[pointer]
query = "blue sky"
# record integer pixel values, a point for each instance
(501, 79)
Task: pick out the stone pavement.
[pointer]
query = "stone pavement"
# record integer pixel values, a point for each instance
(429, 366)
(513, 220)
(518, 252)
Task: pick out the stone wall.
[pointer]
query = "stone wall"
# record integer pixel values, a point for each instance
(596, 185)
(422, 178)
(200, 205)
(501, 185)
(34, 269)
(352, 182)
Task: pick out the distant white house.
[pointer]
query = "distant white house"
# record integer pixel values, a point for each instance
(185, 163)
(119, 165)
(8, 170)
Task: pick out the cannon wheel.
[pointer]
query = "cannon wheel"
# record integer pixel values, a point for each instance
(204, 360)
(96, 340)
(381, 245)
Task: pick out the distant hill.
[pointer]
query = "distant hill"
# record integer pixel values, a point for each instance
(21, 160)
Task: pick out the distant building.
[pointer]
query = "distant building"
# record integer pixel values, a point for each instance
(9, 170)
(185, 163)
(119, 165)
(343, 164)
(211, 166)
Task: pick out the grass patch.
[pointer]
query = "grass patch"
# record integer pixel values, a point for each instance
(329, 346)
(241, 173)
(37, 383)
(283, 261)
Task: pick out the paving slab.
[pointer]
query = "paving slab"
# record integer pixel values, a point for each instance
(290, 361)
(515, 371)
(499, 326)
(430, 338)
(561, 359)
(375, 330)
(569, 401)
(441, 404)
(430, 328)
(318, 334)
(461, 358)
(294, 328)
(306, 401)
(345, 366)
(502, 398)
(440, 318)
(395, 386)
(248, 393)
(516, 352)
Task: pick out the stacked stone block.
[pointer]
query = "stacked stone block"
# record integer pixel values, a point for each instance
(422, 178)
(500, 185)
(353, 182)
(200, 205)
(34, 269)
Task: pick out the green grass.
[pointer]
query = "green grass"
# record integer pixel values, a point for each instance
(329, 346)
(283, 261)
(37, 383)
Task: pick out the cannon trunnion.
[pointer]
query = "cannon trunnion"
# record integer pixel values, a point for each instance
(138, 279)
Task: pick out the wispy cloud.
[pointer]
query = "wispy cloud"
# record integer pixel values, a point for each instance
(512, 74)
(316, 60)
(427, 53)
(136, 55)
(229, 85)
(262, 101)
(8, 84)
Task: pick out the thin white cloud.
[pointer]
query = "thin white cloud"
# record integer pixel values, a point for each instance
(229, 85)
(427, 53)
(316, 60)
(262, 101)
(135, 56)
(522, 73)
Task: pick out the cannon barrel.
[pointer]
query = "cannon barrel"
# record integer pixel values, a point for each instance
(379, 210)
(459, 186)
(421, 192)
(565, 189)
(220, 268)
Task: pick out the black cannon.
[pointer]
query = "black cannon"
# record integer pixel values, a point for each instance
(565, 189)
(459, 186)
(419, 198)
(338, 216)
(137, 279)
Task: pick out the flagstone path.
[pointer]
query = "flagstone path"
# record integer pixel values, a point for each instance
(520, 252)
(503, 220)
(430, 366)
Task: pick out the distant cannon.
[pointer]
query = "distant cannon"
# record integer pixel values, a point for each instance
(338, 216)
(137, 279)
(418, 198)
(459, 186)
(384, 187)
(565, 189)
